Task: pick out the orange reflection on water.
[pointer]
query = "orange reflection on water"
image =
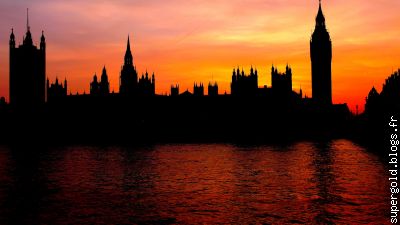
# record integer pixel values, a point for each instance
(307, 182)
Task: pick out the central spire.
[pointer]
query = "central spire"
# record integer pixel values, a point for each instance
(128, 54)
(28, 36)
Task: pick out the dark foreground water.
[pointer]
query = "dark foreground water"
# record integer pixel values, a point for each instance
(302, 183)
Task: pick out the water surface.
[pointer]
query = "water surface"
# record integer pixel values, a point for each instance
(337, 182)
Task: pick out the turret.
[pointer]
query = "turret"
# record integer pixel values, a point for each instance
(301, 93)
(42, 42)
(234, 76)
(12, 39)
(65, 86)
(104, 77)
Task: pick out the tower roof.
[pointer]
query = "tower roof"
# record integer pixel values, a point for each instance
(12, 36)
(320, 19)
(104, 73)
(28, 36)
(320, 32)
(128, 49)
(42, 38)
(373, 91)
(128, 54)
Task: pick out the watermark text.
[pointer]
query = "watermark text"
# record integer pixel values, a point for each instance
(393, 170)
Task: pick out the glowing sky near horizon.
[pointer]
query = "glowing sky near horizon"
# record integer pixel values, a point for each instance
(187, 41)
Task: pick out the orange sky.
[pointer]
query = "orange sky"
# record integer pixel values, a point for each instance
(187, 41)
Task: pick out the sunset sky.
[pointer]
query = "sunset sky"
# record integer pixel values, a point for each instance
(187, 41)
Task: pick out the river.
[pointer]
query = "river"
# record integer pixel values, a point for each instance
(332, 182)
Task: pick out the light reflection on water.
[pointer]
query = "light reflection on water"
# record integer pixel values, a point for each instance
(302, 183)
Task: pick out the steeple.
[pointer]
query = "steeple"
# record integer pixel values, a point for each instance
(42, 41)
(42, 38)
(65, 86)
(12, 39)
(28, 36)
(128, 54)
(320, 19)
(104, 76)
(12, 36)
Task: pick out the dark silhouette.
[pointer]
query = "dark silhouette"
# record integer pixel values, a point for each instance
(388, 101)
(129, 84)
(198, 89)
(213, 89)
(147, 86)
(282, 82)
(137, 114)
(27, 72)
(102, 88)
(244, 85)
(129, 76)
(57, 90)
(175, 90)
(94, 86)
(321, 59)
(371, 127)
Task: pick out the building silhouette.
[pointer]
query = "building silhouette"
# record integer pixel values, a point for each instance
(104, 84)
(380, 109)
(278, 110)
(129, 83)
(129, 76)
(281, 82)
(146, 85)
(186, 93)
(213, 89)
(391, 87)
(372, 101)
(100, 88)
(56, 90)
(94, 86)
(388, 100)
(27, 71)
(198, 89)
(175, 90)
(321, 62)
(244, 85)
